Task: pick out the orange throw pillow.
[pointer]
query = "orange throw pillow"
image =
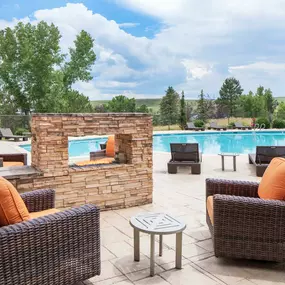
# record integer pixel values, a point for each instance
(12, 207)
(110, 147)
(272, 185)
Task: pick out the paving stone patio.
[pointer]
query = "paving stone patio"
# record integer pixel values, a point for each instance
(182, 195)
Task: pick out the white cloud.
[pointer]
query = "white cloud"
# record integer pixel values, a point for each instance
(199, 43)
(128, 25)
(195, 69)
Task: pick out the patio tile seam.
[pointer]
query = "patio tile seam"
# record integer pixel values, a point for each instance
(207, 273)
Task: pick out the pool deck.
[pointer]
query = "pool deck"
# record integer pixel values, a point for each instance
(183, 196)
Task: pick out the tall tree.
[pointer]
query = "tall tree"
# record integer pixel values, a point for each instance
(205, 107)
(169, 107)
(35, 74)
(229, 94)
(201, 107)
(182, 117)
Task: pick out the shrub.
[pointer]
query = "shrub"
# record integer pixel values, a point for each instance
(199, 123)
(263, 121)
(231, 125)
(20, 131)
(278, 124)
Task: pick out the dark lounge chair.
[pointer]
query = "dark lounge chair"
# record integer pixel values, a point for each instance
(14, 159)
(191, 127)
(185, 154)
(214, 126)
(6, 133)
(239, 126)
(263, 156)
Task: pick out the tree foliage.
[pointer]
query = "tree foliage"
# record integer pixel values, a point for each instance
(205, 107)
(280, 111)
(36, 76)
(182, 117)
(229, 95)
(260, 104)
(121, 103)
(169, 107)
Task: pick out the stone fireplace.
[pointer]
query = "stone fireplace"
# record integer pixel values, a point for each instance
(108, 186)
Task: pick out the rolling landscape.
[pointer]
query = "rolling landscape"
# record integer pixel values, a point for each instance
(154, 103)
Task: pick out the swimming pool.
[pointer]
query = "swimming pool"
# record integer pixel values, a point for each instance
(209, 142)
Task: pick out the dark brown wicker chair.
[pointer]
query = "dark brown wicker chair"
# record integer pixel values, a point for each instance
(245, 226)
(263, 156)
(185, 154)
(58, 249)
(13, 157)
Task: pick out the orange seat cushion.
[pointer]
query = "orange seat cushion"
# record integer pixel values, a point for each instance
(12, 163)
(210, 208)
(12, 207)
(35, 215)
(110, 147)
(272, 185)
(105, 160)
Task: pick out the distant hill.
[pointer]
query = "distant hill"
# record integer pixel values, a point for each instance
(150, 103)
(154, 103)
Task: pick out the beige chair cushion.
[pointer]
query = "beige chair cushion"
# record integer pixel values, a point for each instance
(35, 215)
(210, 208)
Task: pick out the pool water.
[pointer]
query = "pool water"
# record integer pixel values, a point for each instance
(214, 143)
(209, 143)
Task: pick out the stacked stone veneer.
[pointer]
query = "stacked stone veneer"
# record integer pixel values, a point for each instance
(109, 186)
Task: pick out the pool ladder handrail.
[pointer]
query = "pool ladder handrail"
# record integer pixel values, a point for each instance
(259, 127)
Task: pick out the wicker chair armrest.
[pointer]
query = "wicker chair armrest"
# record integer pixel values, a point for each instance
(98, 153)
(1, 161)
(54, 249)
(249, 218)
(39, 200)
(231, 187)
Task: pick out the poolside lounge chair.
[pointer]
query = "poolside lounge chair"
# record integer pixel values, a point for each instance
(6, 133)
(191, 127)
(185, 154)
(239, 126)
(107, 149)
(243, 225)
(214, 126)
(15, 159)
(263, 156)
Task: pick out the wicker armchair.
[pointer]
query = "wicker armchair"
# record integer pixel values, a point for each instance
(245, 226)
(58, 249)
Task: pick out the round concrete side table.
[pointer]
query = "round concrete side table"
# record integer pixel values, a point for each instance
(157, 224)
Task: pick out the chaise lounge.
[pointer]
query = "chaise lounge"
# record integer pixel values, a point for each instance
(48, 246)
(214, 126)
(239, 126)
(191, 127)
(263, 156)
(6, 133)
(185, 154)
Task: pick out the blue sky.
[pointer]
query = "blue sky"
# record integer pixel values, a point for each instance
(143, 47)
